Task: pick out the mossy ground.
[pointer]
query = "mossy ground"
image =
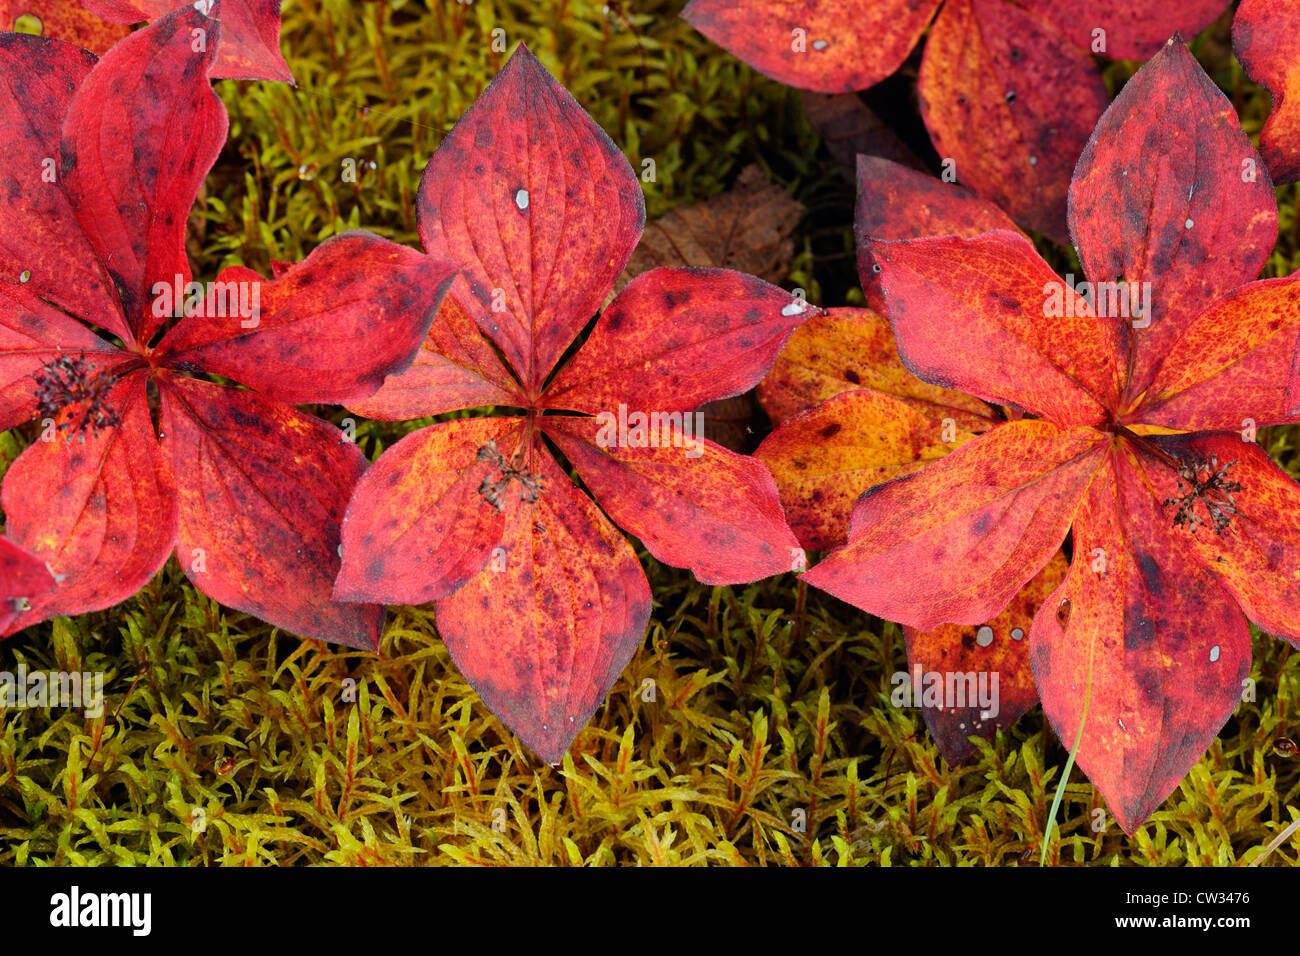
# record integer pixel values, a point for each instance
(769, 738)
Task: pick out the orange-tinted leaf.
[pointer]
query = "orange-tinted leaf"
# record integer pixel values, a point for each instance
(692, 504)
(832, 46)
(141, 133)
(418, 526)
(1011, 101)
(543, 634)
(262, 492)
(895, 202)
(825, 458)
(250, 33)
(32, 335)
(62, 19)
(1013, 349)
(841, 350)
(1169, 648)
(43, 240)
(953, 543)
(1169, 191)
(995, 654)
(1133, 29)
(676, 338)
(1256, 557)
(1234, 366)
(455, 368)
(22, 576)
(538, 207)
(294, 338)
(98, 507)
(1267, 43)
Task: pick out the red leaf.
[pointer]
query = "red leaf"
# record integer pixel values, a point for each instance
(294, 342)
(1256, 556)
(250, 33)
(543, 634)
(43, 239)
(538, 207)
(677, 338)
(692, 504)
(22, 576)
(955, 542)
(418, 526)
(32, 335)
(895, 202)
(1234, 366)
(140, 135)
(995, 655)
(1011, 102)
(1013, 349)
(1159, 197)
(1133, 30)
(843, 45)
(454, 369)
(62, 19)
(1169, 649)
(262, 491)
(99, 508)
(1267, 44)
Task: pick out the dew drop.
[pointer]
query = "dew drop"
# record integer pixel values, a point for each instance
(1188, 224)
(820, 44)
(797, 307)
(521, 199)
(1285, 747)
(1063, 612)
(984, 636)
(1017, 634)
(875, 267)
(25, 275)
(1033, 160)
(1010, 97)
(1214, 653)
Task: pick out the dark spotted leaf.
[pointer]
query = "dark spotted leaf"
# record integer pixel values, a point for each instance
(23, 576)
(262, 491)
(253, 490)
(539, 597)
(250, 33)
(972, 681)
(1176, 538)
(283, 337)
(1267, 43)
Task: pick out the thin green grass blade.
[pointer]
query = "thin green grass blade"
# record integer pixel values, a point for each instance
(1069, 764)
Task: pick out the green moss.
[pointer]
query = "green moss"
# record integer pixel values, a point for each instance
(766, 735)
